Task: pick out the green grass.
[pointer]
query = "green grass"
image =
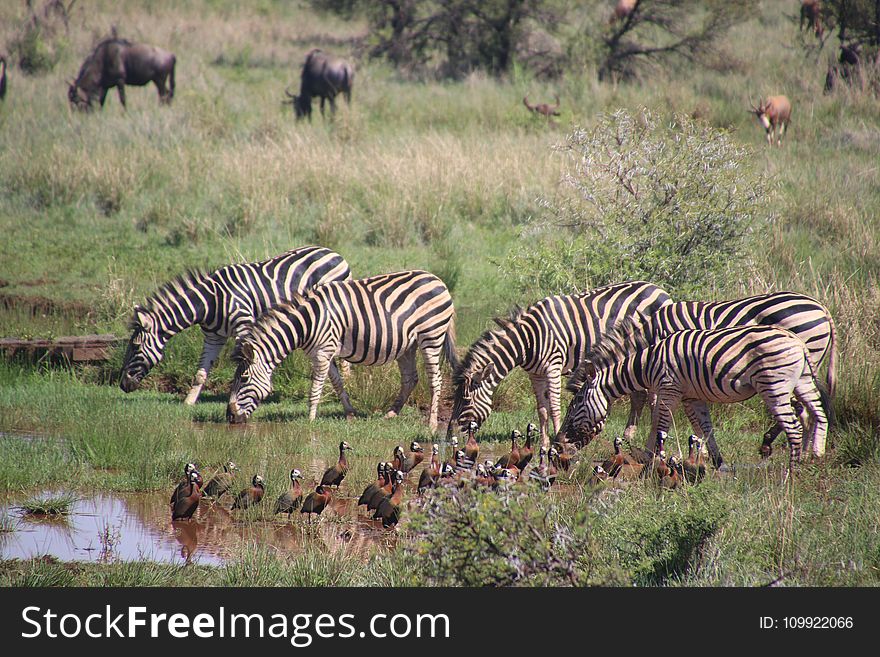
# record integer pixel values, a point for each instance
(100, 209)
(54, 505)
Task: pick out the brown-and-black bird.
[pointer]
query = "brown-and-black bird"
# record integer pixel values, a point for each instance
(430, 474)
(385, 490)
(334, 475)
(560, 458)
(453, 450)
(416, 456)
(472, 447)
(527, 451)
(290, 501)
(185, 503)
(512, 457)
(221, 482)
(249, 497)
(370, 490)
(672, 477)
(389, 510)
(693, 468)
(315, 502)
(183, 486)
(397, 457)
(542, 473)
(614, 465)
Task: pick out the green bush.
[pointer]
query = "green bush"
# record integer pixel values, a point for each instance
(34, 53)
(516, 537)
(676, 203)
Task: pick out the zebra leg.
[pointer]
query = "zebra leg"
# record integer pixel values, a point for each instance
(807, 393)
(432, 369)
(661, 415)
(636, 404)
(541, 387)
(336, 380)
(320, 368)
(785, 416)
(210, 351)
(767, 445)
(409, 377)
(698, 413)
(554, 383)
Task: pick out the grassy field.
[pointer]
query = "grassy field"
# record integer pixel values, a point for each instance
(98, 210)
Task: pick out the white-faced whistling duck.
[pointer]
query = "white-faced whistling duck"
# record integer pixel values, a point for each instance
(385, 490)
(541, 474)
(559, 458)
(250, 496)
(416, 456)
(693, 468)
(504, 477)
(658, 465)
(315, 502)
(397, 457)
(483, 478)
(527, 451)
(513, 456)
(334, 475)
(183, 487)
(376, 485)
(453, 450)
(614, 465)
(389, 509)
(672, 477)
(185, 504)
(462, 463)
(221, 482)
(599, 475)
(289, 501)
(472, 447)
(430, 474)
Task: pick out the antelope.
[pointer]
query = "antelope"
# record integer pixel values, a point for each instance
(774, 114)
(544, 109)
(811, 14)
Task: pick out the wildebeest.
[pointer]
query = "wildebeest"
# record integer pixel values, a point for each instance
(543, 108)
(118, 62)
(2, 77)
(774, 114)
(811, 15)
(323, 76)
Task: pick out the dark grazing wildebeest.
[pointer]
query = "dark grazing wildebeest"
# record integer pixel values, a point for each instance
(118, 62)
(323, 76)
(2, 77)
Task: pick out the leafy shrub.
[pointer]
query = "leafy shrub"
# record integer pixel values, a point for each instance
(675, 203)
(476, 537)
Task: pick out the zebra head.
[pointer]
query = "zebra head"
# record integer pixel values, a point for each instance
(251, 385)
(472, 400)
(588, 409)
(144, 350)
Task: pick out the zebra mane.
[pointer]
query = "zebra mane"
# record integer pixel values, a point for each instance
(483, 345)
(172, 290)
(624, 339)
(265, 322)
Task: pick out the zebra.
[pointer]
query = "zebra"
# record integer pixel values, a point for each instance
(800, 314)
(224, 303)
(547, 340)
(694, 367)
(370, 321)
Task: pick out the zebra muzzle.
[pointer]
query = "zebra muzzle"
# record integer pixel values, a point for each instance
(129, 383)
(234, 415)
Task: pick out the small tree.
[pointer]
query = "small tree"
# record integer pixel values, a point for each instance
(663, 31)
(676, 204)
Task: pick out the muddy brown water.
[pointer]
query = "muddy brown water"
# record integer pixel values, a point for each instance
(138, 527)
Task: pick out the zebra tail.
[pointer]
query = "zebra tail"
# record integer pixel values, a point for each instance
(449, 346)
(831, 374)
(827, 406)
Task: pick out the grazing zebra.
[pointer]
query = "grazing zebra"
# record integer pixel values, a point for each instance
(547, 339)
(808, 319)
(224, 303)
(694, 367)
(371, 321)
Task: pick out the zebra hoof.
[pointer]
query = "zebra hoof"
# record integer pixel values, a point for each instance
(351, 416)
(390, 415)
(765, 451)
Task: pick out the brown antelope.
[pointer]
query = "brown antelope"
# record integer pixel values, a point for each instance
(811, 14)
(774, 114)
(623, 9)
(544, 109)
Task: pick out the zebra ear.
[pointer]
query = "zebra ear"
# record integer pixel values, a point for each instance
(483, 375)
(590, 372)
(247, 352)
(143, 318)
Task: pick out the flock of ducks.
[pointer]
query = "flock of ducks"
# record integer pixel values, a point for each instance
(384, 497)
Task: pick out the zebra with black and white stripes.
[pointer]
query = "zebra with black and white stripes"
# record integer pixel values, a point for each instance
(371, 321)
(224, 303)
(547, 340)
(694, 367)
(798, 313)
